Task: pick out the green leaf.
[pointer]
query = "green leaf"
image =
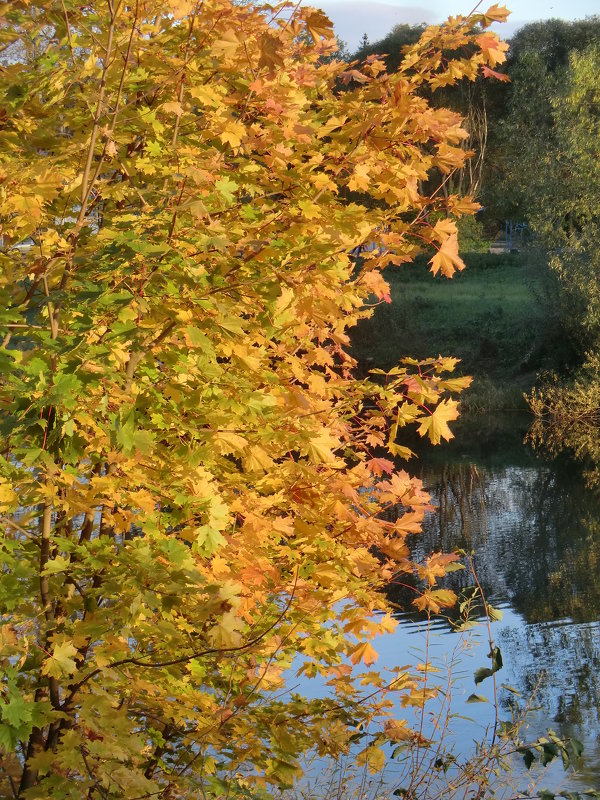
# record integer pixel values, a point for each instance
(8, 737)
(482, 673)
(64, 390)
(16, 711)
(496, 657)
(208, 540)
(577, 747)
(549, 752)
(528, 756)
(477, 698)
(125, 429)
(200, 339)
(57, 564)
(226, 188)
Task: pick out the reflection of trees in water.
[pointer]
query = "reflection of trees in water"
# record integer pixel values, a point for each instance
(561, 664)
(462, 490)
(535, 533)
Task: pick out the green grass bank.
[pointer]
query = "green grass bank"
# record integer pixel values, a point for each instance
(496, 316)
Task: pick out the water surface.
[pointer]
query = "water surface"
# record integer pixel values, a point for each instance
(533, 530)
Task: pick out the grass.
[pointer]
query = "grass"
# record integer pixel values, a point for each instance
(494, 316)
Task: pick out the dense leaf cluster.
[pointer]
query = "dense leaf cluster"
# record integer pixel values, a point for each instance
(191, 478)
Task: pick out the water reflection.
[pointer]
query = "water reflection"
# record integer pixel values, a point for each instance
(534, 531)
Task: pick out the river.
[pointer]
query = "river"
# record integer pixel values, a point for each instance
(532, 530)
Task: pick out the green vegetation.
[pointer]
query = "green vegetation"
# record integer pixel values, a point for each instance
(493, 316)
(537, 144)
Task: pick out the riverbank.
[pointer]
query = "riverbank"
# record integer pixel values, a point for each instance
(495, 316)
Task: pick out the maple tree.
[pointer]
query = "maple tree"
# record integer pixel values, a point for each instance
(191, 477)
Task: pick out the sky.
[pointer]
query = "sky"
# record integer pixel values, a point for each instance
(376, 18)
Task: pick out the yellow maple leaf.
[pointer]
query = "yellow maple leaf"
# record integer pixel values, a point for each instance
(61, 662)
(173, 107)
(270, 51)
(397, 730)
(435, 425)
(233, 134)
(447, 260)
(364, 652)
(318, 24)
(435, 600)
(444, 228)
(462, 205)
(497, 13)
(227, 44)
(228, 442)
(360, 178)
(436, 566)
(258, 460)
(320, 448)
(226, 633)
(373, 757)
(377, 284)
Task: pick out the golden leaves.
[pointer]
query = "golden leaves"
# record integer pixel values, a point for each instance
(227, 45)
(271, 51)
(318, 24)
(446, 260)
(497, 13)
(398, 730)
(436, 566)
(9, 499)
(360, 178)
(233, 134)
(227, 632)
(373, 757)
(219, 431)
(376, 283)
(61, 662)
(434, 600)
(364, 652)
(320, 448)
(490, 73)
(435, 424)
(494, 51)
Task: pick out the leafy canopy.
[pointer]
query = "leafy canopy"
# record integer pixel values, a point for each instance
(191, 478)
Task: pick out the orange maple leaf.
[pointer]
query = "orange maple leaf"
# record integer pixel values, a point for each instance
(490, 73)
(492, 48)
(497, 13)
(447, 260)
(364, 652)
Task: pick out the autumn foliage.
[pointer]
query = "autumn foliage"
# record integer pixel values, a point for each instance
(192, 479)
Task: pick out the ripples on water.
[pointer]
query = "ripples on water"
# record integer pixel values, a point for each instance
(534, 532)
